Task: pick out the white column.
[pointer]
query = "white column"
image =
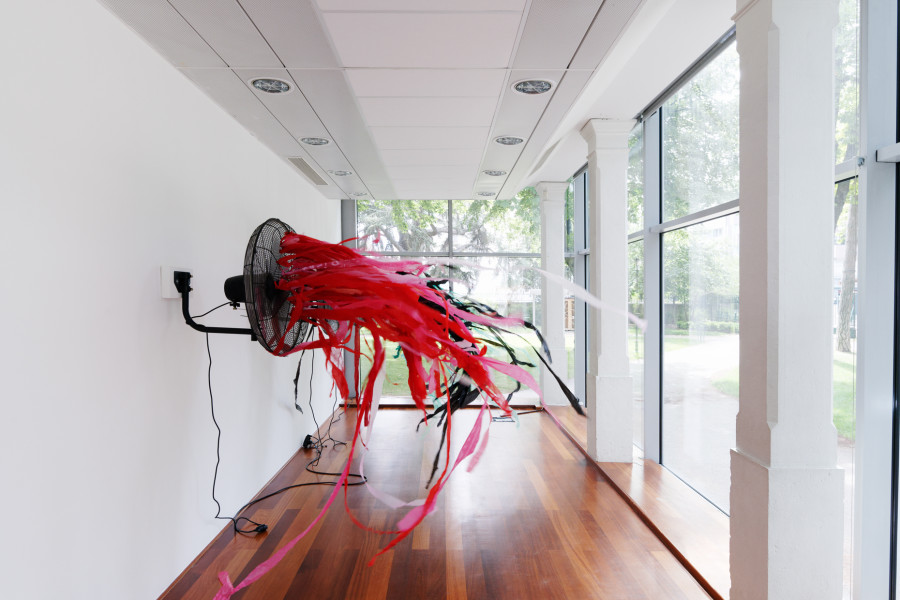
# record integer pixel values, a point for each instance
(553, 202)
(608, 383)
(786, 492)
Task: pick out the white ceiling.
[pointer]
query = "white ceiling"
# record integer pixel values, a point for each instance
(411, 93)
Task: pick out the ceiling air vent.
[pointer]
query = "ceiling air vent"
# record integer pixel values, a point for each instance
(307, 170)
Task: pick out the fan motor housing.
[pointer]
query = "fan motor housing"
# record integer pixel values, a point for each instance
(235, 290)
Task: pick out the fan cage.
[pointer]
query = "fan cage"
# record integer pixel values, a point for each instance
(268, 308)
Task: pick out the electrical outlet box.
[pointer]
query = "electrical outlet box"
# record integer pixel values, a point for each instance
(167, 281)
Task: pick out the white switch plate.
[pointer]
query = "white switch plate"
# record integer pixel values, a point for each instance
(167, 281)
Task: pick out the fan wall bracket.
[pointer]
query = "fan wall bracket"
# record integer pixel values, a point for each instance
(182, 281)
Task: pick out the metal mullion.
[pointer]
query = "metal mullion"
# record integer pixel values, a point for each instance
(579, 199)
(701, 216)
(653, 288)
(497, 255)
(875, 525)
(414, 254)
(450, 228)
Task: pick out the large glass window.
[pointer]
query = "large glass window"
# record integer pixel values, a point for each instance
(636, 179)
(636, 337)
(700, 134)
(699, 293)
(700, 354)
(635, 269)
(846, 242)
(491, 246)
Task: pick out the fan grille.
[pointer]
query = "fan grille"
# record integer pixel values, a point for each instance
(268, 307)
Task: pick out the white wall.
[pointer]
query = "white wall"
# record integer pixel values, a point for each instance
(112, 164)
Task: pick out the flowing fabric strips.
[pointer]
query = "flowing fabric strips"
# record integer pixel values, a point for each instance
(443, 339)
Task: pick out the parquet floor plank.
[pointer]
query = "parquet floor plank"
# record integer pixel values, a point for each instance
(534, 520)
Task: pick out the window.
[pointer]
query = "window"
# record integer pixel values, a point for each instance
(490, 247)
(846, 241)
(683, 274)
(635, 270)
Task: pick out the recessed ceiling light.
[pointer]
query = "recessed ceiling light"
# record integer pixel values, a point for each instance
(271, 86)
(359, 194)
(486, 194)
(341, 173)
(494, 173)
(314, 141)
(508, 140)
(533, 86)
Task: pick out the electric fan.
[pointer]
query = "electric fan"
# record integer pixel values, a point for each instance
(268, 308)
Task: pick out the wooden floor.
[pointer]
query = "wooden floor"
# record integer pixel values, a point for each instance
(696, 531)
(535, 519)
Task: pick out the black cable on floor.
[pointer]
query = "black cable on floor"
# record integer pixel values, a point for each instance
(318, 447)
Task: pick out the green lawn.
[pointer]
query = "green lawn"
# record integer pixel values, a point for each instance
(843, 390)
(396, 381)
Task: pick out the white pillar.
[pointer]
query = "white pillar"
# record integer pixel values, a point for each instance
(553, 202)
(608, 383)
(786, 492)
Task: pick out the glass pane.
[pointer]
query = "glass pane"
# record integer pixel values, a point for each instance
(846, 242)
(402, 225)
(569, 301)
(846, 82)
(636, 336)
(636, 179)
(846, 148)
(498, 225)
(396, 373)
(700, 354)
(700, 139)
(512, 287)
(569, 224)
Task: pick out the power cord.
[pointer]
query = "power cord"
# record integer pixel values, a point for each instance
(317, 445)
(211, 310)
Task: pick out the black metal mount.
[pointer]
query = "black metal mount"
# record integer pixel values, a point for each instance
(183, 285)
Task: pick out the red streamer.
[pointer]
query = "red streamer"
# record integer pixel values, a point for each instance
(339, 291)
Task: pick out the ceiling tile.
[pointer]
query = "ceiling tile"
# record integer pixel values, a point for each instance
(500, 158)
(433, 189)
(542, 46)
(291, 109)
(233, 95)
(294, 31)
(422, 5)
(167, 31)
(519, 113)
(432, 172)
(427, 82)
(328, 91)
(451, 40)
(566, 92)
(432, 156)
(225, 26)
(423, 112)
(395, 138)
(606, 29)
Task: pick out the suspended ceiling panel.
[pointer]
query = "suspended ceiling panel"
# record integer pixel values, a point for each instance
(410, 94)
(411, 138)
(424, 39)
(400, 83)
(293, 30)
(423, 5)
(229, 31)
(167, 31)
(563, 21)
(432, 156)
